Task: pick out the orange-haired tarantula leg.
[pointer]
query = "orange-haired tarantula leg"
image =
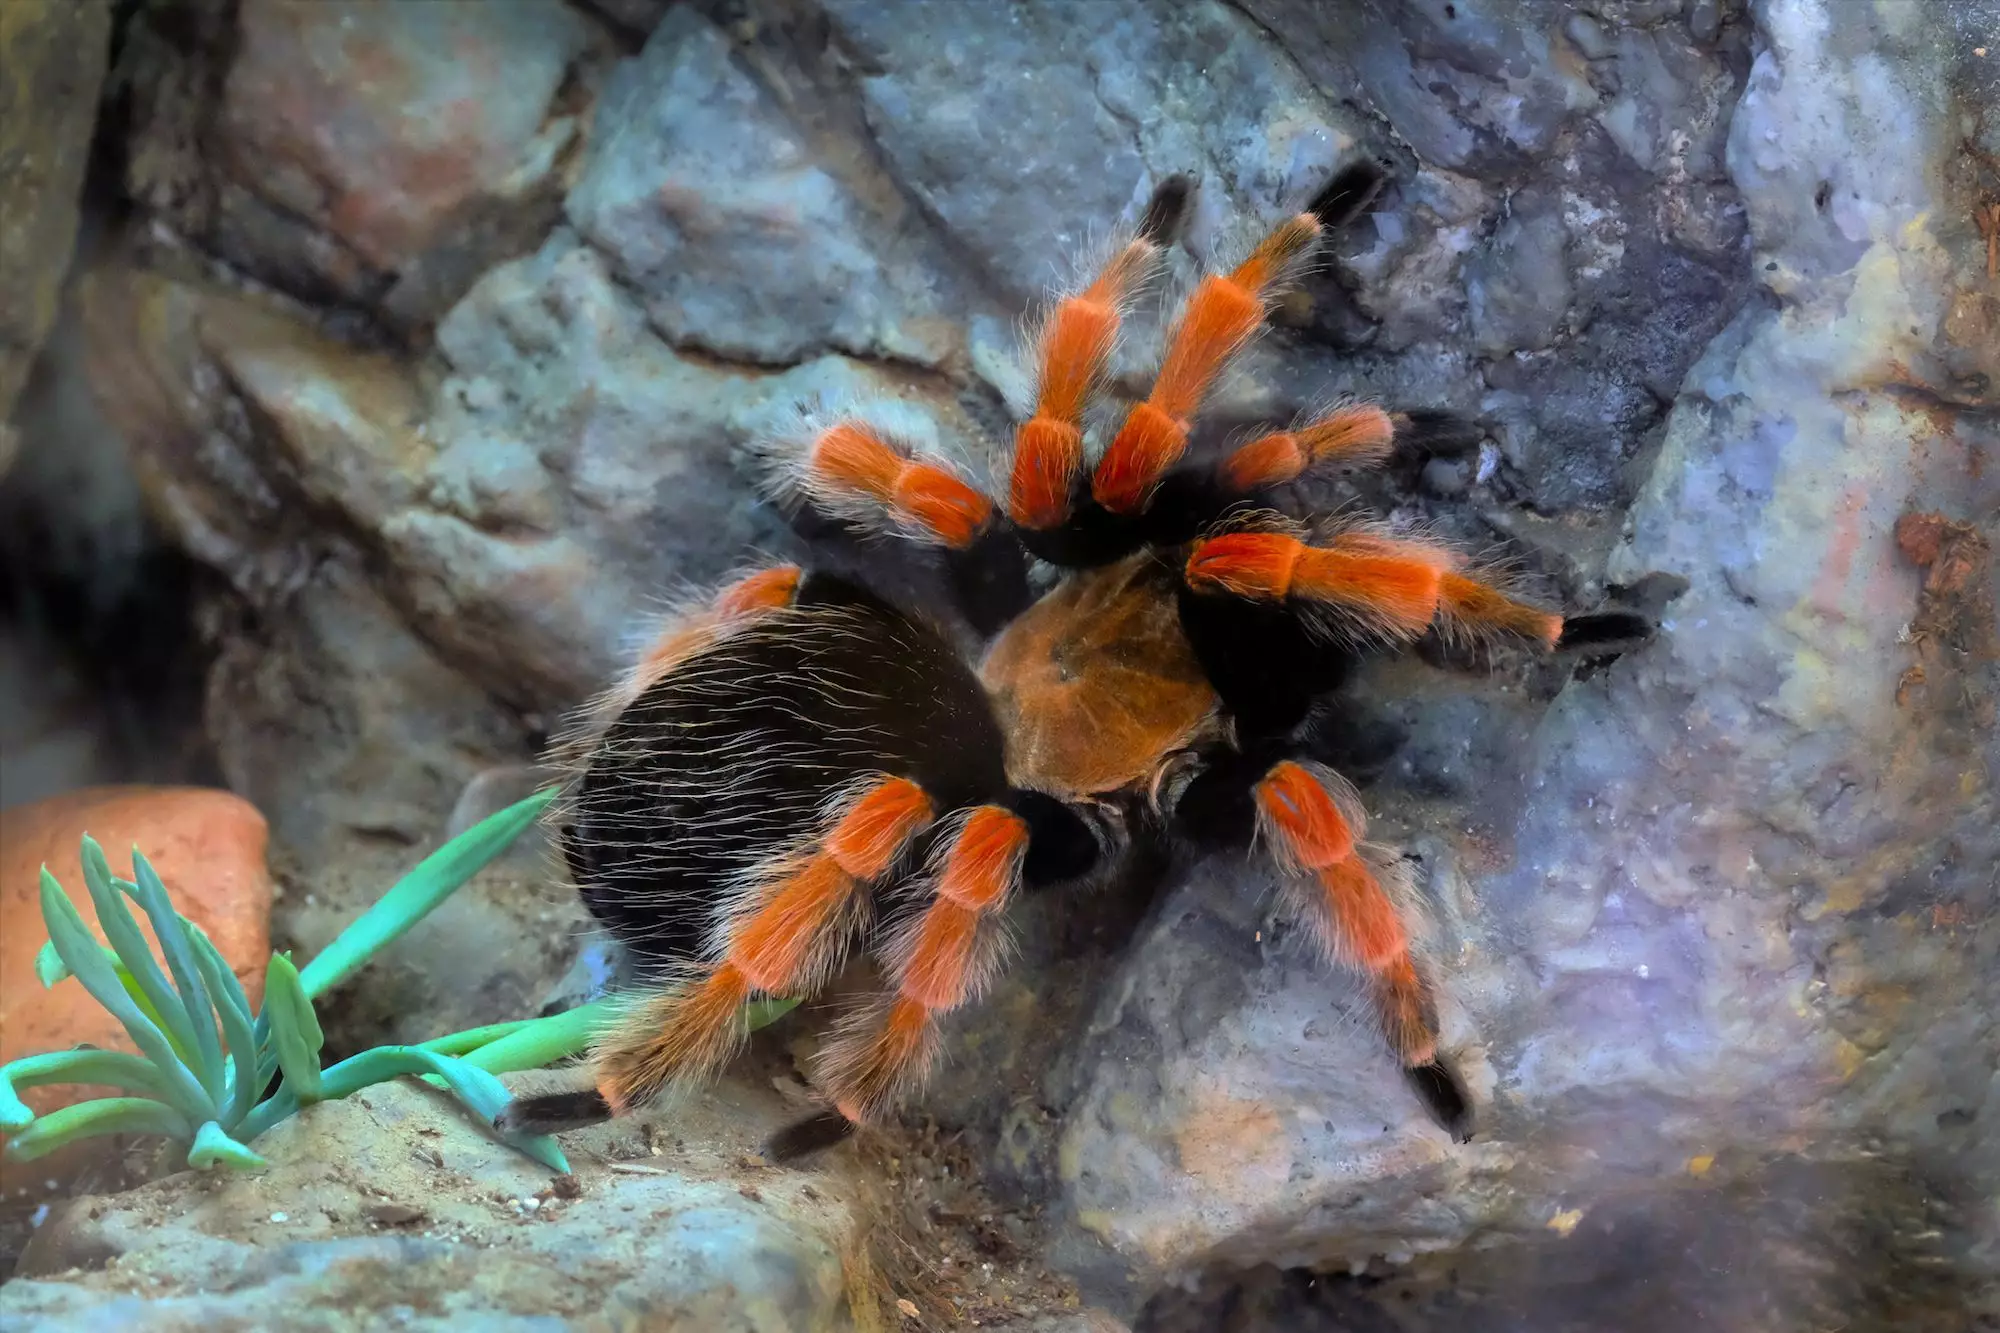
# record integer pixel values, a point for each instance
(1219, 320)
(1074, 346)
(751, 594)
(1471, 607)
(1378, 586)
(1314, 823)
(790, 934)
(852, 471)
(937, 961)
(1353, 433)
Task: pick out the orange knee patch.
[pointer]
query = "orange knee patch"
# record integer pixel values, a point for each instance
(876, 828)
(1258, 565)
(1272, 460)
(1147, 445)
(850, 459)
(985, 859)
(765, 590)
(849, 456)
(940, 503)
(1048, 454)
(1303, 814)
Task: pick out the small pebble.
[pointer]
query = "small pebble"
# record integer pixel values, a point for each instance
(531, 1204)
(1447, 476)
(281, 1217)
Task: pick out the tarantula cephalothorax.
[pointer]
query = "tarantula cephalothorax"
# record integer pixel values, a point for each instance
(797, 766)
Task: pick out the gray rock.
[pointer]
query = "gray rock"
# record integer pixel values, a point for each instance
(1710, 949)
(698, 178)
(390, 1209)
(1720, 905)
(360, 152)
(56, 55)
(1098, 102)
(636, 17)
(1518, 288)
(1562, 243)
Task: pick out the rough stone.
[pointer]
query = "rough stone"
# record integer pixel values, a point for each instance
(392, 1207)
(402, 136)
(1562, 242)
(1098, 103)
(52, 62)
(1518, 288)
(1716, 935)
(1709, 949)
(699, 178)
(361, 782)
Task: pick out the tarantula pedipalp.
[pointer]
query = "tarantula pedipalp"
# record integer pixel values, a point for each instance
(798, 765)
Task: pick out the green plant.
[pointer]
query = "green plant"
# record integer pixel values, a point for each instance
(206, 1065)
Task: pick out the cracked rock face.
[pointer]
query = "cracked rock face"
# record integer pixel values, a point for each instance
(1716, 915)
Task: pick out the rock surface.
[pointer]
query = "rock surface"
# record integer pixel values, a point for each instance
(1718, 914)
(52, 60)
(390, 1207)
(1724, 935)
(389, 153)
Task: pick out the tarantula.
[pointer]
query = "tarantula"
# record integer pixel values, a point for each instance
(797, 765)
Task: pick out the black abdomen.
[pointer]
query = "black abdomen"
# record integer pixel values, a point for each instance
(732, 757)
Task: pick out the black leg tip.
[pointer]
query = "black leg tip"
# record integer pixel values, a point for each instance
(552, 1113)
(1604, 629)
(1430, 432)
(1444, 1096)
(1166, 212)
(802, 1139)
(1349, 194)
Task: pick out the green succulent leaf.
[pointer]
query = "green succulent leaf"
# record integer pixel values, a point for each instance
(86, 1065)
(49, 968)
(213, 1148)
(223, 987)
(105, 1115)
(481, 1092)
(295, 1033)
(541, 1042)
(237, 1029)
(762, 1013)
(121, 931)
(170, 928)
(84, 957)
(413, 897)
(459, 1043)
